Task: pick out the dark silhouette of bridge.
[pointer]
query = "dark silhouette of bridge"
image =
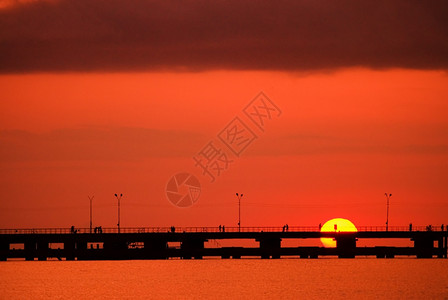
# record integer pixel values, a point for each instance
(189, 242)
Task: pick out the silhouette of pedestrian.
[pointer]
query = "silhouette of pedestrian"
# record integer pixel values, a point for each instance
(220, 228)
(72, 229)
(223, 228)
(410, 226)
(320, 226)
(442, 227)
(287, 227)
(284, 227)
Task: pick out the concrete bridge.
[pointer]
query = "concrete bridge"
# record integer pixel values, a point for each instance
(190, 242)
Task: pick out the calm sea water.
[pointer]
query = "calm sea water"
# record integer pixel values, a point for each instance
(226, 279)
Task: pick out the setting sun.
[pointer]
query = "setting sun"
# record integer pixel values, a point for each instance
(339, 225)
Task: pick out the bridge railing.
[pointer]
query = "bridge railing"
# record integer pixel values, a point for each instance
(209, 229)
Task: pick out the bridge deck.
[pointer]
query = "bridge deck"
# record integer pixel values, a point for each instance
(153, 242)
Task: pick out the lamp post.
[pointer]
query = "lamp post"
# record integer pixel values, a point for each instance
(239, 210)
(387, 215)
(91, 199)
(118, 198)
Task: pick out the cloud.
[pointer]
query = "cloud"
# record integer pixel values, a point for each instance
(139, 35)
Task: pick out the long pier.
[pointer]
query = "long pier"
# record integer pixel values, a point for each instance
(191, 242)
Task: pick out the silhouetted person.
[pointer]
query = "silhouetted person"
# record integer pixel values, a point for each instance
(220, 228)
(442, 227)
(287, 227)
(100, 229)
(72, 229)
(284, 228)
(223, 228)
(320, 226)
(173, 229)
(410, 226)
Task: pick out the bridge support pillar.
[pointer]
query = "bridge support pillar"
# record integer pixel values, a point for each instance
(440, 248)
(424, 246)
(81, 250)
(445, 251)
(270, 247)
(4, 249)
(155, 249)
(42, 250)
(346, 245)
(116, 250)
(69, 250)
(192, 248)
(30, 250)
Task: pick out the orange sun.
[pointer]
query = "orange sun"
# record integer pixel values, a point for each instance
(339, 225)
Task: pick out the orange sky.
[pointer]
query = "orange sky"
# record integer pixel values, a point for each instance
(344, 139)
(103, 97)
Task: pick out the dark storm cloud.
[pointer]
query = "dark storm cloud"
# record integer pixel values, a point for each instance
(117, 35)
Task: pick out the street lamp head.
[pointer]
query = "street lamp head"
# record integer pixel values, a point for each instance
(116, 195)
(237, 194)
(241, 195)
(390, 195)
(121, 195)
